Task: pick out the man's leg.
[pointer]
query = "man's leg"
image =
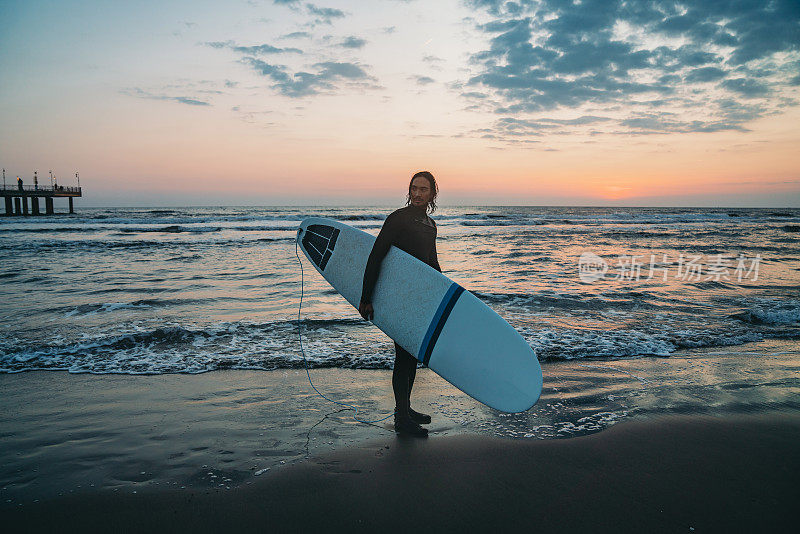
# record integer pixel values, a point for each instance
(411, 375)
(405, 365)
(409, 366)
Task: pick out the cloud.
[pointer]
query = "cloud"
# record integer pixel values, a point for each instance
(746, 87)
(320, 77)
(514, 127)
(296, 35)
(264, 49)
(328, 76)
(140, 93)
(645, 58)
(353, 42)
(276, 72)
(323, 15)
(422, 80)
(317, 15)
(668, 122)
(586, 119)
(261, 49)
(705, 74)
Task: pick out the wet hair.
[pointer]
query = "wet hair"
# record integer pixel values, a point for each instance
(435, 188)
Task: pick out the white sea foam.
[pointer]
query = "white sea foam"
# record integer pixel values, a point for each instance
(774, 311)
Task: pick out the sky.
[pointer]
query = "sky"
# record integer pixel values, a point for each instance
(276, 102)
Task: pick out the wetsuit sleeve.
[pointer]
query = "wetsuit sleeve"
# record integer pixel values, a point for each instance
(435, 258)
(379, 250)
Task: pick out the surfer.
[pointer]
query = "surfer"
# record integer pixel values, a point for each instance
(411, 230)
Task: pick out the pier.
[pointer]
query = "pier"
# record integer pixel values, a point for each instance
(16, 198)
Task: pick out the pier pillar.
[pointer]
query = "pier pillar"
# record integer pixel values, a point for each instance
(9, 206)
(70, 205)
(17, 206)
(48, 205)
(24, 205)
(35, 206)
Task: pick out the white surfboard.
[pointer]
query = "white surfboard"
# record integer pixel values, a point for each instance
(446, 327)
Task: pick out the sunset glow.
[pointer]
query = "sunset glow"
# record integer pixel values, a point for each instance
(289, 102)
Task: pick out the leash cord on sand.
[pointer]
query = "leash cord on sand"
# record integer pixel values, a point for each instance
(305, 360)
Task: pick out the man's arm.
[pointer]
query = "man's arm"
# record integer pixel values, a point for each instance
(435, 258)
(379, 250)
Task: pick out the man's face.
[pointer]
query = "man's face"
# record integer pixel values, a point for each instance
(420, 192)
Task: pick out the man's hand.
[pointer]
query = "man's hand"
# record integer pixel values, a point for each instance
(366, 311)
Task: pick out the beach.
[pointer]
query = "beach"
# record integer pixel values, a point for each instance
(261, 451)
(672, 474)
(153, 377)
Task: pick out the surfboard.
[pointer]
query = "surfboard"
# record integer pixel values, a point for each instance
(443, 325)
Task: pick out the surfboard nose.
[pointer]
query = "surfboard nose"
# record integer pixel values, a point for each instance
(302, 229)
(317, 240)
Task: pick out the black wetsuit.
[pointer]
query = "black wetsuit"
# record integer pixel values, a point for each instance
(411, 230)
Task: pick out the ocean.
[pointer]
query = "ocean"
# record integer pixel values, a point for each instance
(191, 290)
(146, 349)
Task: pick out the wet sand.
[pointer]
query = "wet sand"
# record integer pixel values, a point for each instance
(706, 439)
(667, 474)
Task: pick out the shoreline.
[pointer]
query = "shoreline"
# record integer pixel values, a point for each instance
(666, 474)
(202, 452)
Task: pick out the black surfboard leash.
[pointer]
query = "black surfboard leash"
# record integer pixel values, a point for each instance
(303, 352)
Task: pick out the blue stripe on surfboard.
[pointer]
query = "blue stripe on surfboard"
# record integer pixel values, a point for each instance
(438, 321)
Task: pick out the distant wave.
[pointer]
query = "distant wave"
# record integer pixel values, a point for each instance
(92, 309)
(771, 312)
(570, 302)
(174, 229)
(169, 229)
(492, 223)
(359, 217)
(162, 212)
(51, 229)
(137, 244)
(627, 343)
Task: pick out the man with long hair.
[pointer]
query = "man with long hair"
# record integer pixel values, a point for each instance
(411, 230)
